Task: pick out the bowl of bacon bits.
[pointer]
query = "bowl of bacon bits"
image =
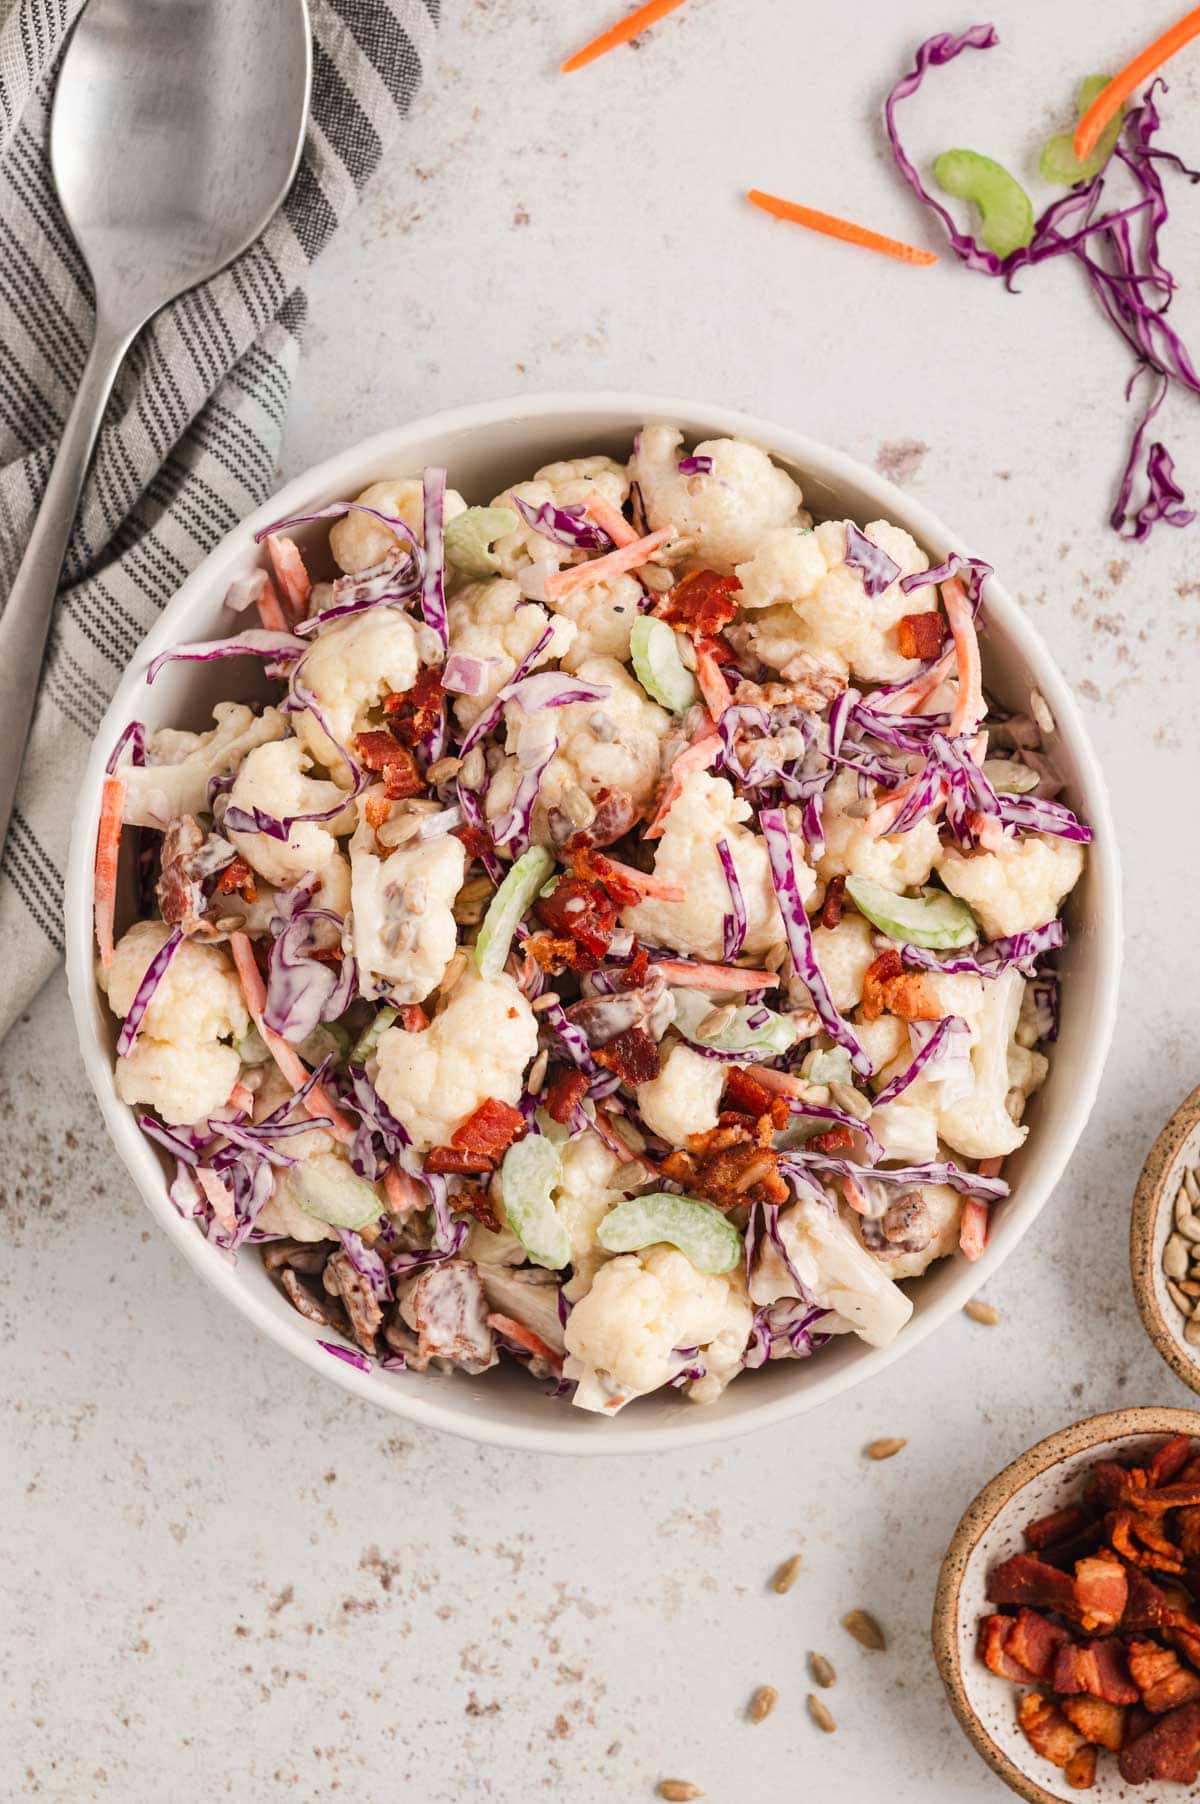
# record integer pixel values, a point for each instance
(1067, 1620)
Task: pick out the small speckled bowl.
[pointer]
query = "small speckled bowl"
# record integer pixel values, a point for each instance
(1151, 1226)
(1044, 1479)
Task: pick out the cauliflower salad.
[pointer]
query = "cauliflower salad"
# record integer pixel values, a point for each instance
(625, 942)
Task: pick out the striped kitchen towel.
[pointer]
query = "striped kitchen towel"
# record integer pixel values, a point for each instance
(193, 431)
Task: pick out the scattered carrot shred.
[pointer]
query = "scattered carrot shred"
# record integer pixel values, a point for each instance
(254, 994)
(833, 227)
(1110, 99)
(270, 610)
(108, 851)
(639, 20)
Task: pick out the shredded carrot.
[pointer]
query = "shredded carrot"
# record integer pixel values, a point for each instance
(254, 994)
(108, 853)
(403, 1192)
(711, 679)
(1109, 100)
(973, 1228)
(913, 695)
(968, 709)
(988, 831)
(701, 754)
(646, 885)
(613, 563)
(240, 1097)
(608, 518)
(219, 1197)
(833, 227)
(880, 821)
(639, 20)
(780, 1081)
(854, 1196)
(295, 584)
(715, 977)
(270, 609)
(525, 1337)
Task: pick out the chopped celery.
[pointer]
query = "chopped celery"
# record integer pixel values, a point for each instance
(701, 1233)
(658, 666)
(366, 1043)
(326, 1188)
(509, 903)
(528, 1175)
(933, 919)
(1058, 160)
(470, 536)
(775, 1035)
(1005, 210)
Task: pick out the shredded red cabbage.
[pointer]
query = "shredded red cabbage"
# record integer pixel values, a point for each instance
(433, 582)
(303, 991)
(153, 975)
(879, 571)
(733, 923)
(968, 1183)
(1019, 949)
(949, 1024)
(799, 936)
(256, 642)
(348, 1355)
(395, 579)
(695, 466)
(564, 525)
(134, 736)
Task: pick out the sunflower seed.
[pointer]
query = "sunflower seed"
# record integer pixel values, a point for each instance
(453, 972)
(887, 1448)
(679, 1791)
(821, 1670)
(776, 958)
(866, 1631)
(473, 769)
(1191, 1183)
(850, 1101)
(1182, 1303)
(1175, 1257)
(820, 1713)
(1191, 1333)
(443, 769)
(987, 1313)
(657, 578)
(578, 806)
(546, 1000)
(786, 1575)
(1189, 1287)
(1040, 712)
(537, 1072)
(762, 1703)
(716, 1021)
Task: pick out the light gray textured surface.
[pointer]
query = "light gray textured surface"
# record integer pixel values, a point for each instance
(220, 1578)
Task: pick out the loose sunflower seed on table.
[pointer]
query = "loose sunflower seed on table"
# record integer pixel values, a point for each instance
(821, 1670)
(886, 1448)
(820, 1713)
(865, 1630)
(678, 1791)
(987, 1313)
(762, 1703)
(786, 1575)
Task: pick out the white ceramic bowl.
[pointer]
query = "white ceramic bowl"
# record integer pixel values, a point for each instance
(484, 448)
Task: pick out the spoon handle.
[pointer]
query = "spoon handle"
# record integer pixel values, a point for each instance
(25, 622)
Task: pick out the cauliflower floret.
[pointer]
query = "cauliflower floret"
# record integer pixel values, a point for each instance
(582, 1198)
(403, 925)
(609, 744)
(1027, 1072)
(843, 954)
(1015, 889)
(179, 766)
(902, 862)
(477, 1047)
(272, 779)
(490, 620)
(178, 1063)
(353, 664)
(908, 1132)
(707, 810)
(685, 1097)
(562, 485)
(841, 1274)
(776, 637)
(721, 517)
(358, 542)
(639, 1309)
(978, 1125)
(835, 614)
(943, 1208)
(603, 616)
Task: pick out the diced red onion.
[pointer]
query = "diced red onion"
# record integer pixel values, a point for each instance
(695, 466)
(464, 675)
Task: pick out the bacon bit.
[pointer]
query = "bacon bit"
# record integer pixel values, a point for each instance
(1101, 1722)
(623, 882)
(889, 988)
(1101, 1590)
(1121, 1529)
(404, 1193)
(701, 754)
(490, 1129)
(1169, 1462)
(634, 974)
(1047, 1729)
(834, 903)
(832, 227)
(413, 1018)
(472, 1200)
(108, 853)
(1035, 1641)
(1169, 1749)
(455, 1159)
(254, 994)
(377, 809)
(616, 812)
(837, 1139)
(1163, 1682)
(1147, 1608)
(608, 518)
(1024, 1579)
(879, 973)
(581, 911)
(1099, 1668)
(713, 687)
(1080, 1770)
(475, 839)
(1166, 1497)
(994, 1635)
(727, 1169)
(702, 603)
(715, 977)
(565, 1090)
(602, 569)
(633, 1055)
(744, 1090)
(920, 635)
(551, 953)
(238, 878)
(295, 584)
(416, 712)
(1059, 1525)
(381, 753)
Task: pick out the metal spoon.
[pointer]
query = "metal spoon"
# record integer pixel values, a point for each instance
(176, 131)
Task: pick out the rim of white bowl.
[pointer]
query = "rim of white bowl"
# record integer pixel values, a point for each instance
(464, 1418)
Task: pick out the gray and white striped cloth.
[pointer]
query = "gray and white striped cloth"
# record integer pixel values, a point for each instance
(193, 431)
